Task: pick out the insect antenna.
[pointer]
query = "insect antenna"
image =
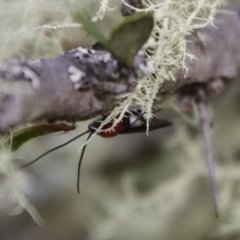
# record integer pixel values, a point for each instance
(80, 162)
(57, 147)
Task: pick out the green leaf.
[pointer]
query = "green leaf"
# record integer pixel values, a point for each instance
(24, 135)
(126, 39)
(90, 27)
(130, 35)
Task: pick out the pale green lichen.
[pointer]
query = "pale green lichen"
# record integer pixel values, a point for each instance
(174, 20)
(60, 25)
(14, 183)
(102, 10)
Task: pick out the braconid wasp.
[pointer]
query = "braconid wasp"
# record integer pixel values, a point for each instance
(133, 122)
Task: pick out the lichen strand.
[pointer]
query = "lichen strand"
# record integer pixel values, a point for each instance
(14, 184)
(174, 20)
(102, 10)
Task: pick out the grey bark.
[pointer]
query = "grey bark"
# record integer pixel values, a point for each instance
(79, 85)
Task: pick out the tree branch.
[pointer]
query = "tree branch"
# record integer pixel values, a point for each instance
(82, 83)
(78, 85)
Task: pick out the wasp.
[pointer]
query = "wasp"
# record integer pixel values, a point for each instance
(134, 121)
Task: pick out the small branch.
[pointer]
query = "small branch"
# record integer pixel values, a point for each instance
(78, 85)
(205, 123)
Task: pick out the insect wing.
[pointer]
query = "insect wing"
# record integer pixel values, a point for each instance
(159, 123)
(153, 125)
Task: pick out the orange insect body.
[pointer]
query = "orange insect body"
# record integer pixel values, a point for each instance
(112, 133)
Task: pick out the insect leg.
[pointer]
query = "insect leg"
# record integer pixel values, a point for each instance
(57, 147)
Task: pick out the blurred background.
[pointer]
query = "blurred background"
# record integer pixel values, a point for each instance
(133, 187)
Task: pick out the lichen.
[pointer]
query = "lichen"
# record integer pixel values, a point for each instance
(102, 10)
(14, 184)
(174, 20)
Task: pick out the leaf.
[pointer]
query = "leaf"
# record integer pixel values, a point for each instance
(24, 135)
(90, 27)
(130, 35)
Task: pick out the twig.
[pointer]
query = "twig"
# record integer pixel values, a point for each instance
(205, 123)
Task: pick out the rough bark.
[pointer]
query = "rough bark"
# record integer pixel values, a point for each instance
(217, 52)
(79, 85)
